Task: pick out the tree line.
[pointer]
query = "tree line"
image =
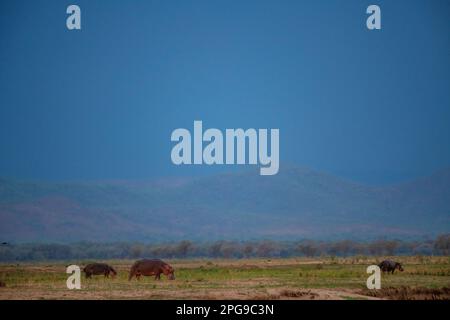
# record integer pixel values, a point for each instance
(222, 249)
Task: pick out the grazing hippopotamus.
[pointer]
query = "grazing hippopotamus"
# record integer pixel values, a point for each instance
(99, 268)
(390, 266)
(150, 267)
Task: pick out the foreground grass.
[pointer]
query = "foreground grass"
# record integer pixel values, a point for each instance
(226, 279)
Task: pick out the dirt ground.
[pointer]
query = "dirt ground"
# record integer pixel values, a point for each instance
(227, 294)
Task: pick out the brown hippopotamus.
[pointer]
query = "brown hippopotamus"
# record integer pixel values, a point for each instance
(150, 267)
(390, 266)
(99, 268)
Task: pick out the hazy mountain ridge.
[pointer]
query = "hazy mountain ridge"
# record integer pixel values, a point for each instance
(296, 203)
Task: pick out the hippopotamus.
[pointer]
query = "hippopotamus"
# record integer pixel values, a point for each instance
(390, 266)
(99, 268)
(150, 267)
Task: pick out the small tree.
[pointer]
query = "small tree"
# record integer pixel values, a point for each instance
(442, 244)
(183, 248)
(308, 249)
(248, 250)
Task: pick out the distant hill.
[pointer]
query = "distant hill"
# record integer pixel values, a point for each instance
(297, 203)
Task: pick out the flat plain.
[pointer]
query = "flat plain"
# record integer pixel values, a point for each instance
(277, 278)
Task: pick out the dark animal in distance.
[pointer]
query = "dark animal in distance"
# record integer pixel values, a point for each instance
(390, 266)
(150, 267)
(99, 268)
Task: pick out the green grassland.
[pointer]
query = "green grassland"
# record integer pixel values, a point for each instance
(293, 278)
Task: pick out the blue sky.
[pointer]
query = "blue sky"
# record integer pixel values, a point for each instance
(101, 103)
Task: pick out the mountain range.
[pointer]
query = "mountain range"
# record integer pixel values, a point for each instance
(296, 203)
